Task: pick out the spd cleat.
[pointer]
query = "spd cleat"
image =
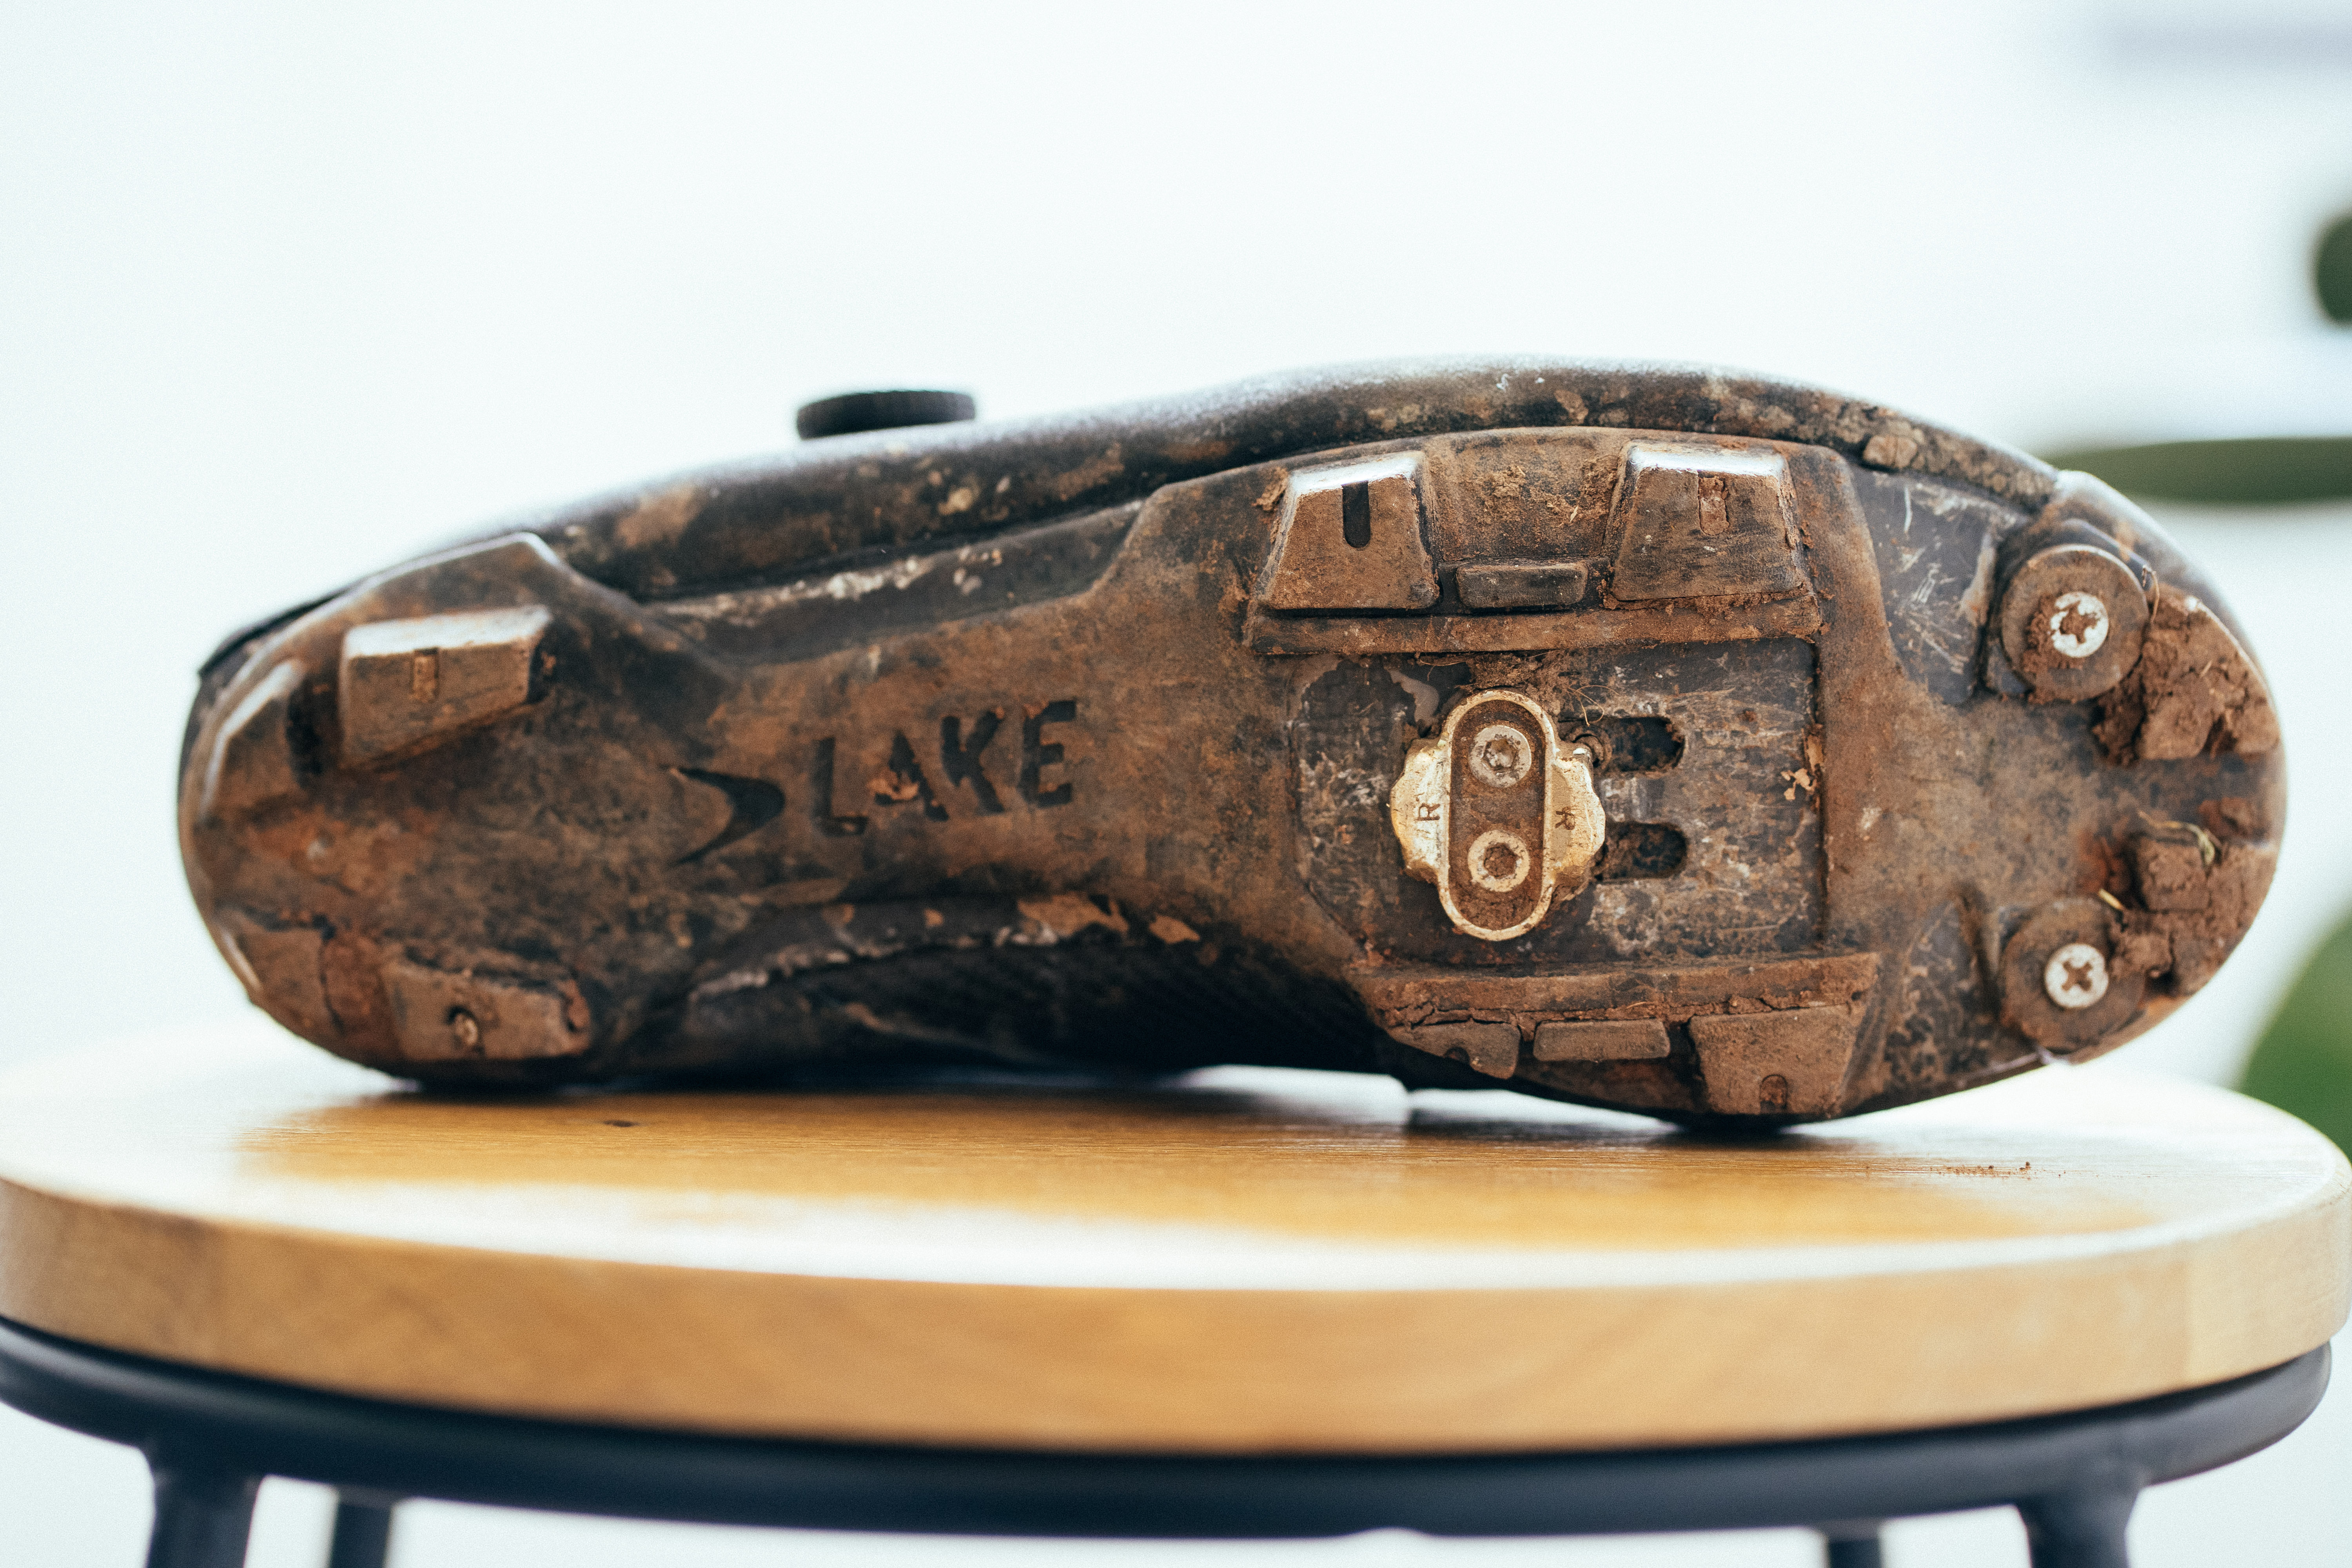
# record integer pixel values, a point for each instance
(1686, 743)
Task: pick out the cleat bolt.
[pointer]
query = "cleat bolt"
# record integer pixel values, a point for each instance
(1500, 756)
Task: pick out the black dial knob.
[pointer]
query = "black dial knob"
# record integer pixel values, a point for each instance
(854, 411)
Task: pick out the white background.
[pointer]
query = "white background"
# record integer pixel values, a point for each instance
(286, 291)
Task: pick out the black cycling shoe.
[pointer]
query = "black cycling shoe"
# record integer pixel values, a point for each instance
(1672, 740)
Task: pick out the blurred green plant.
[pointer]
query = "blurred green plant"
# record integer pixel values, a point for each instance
(2303, 1063)
(2262, 470)
(2331, 271)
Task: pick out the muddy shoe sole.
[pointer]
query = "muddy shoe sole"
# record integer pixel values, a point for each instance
(1691, 744)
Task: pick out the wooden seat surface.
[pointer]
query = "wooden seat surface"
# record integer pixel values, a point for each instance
(1249, 1261)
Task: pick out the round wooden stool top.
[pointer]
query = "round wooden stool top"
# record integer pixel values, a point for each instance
(1254, 1261)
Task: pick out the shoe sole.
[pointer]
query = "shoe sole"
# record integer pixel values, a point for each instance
(1707, 747)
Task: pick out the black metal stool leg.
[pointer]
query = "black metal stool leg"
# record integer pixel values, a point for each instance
(2079, 1530)
(1852, 1545)
(363, 1536)
(202, 1514)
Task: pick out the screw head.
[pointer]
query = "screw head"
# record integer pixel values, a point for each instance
(2078, 625)
(466, 1029)
(2076, 976)
(1499, 860)
(1500, 756)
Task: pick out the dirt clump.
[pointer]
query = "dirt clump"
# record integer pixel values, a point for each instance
(2197, 896)
(2193, 691)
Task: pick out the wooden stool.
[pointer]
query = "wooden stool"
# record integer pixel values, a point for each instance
(1256, 1303)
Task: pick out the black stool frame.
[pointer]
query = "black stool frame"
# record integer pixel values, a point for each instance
(210, 1438)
